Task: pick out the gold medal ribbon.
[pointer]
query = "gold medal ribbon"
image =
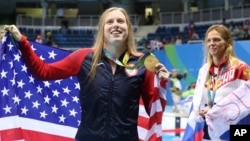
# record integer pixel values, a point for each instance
(213, 85)
(149, 60)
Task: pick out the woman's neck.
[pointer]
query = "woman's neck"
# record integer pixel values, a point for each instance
(217, 60)
(116, 51)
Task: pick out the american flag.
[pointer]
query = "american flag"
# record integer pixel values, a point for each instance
(29, 105)
(35, 110)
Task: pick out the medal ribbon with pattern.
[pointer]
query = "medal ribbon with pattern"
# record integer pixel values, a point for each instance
(126, 58)
(212, 86)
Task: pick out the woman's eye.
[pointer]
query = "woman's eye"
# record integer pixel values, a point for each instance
(120, 21)
(214, 40)
(109, 21)
(217, 40)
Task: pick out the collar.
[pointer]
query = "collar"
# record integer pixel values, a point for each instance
(219, 66)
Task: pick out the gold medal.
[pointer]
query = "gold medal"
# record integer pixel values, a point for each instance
(150, 63)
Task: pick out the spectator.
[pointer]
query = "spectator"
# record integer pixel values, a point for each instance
(224, 22)
(159, 44)
(150, 19)
(246, 25)
(189, 91)
(64, 26)
(176, 89)
(178, 40)
(172, 41)
(246, 36)
(191, 28)
(49, 41)
(238, 33)
(165, 42)
(231, 27)
(151, 44)
(39, 39)
(195, 36)
(155, 44)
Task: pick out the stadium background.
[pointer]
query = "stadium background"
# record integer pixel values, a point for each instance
(171, 17)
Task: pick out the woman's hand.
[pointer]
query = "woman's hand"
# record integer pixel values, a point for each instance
(14, 32)
(162, 72)
(203, 112)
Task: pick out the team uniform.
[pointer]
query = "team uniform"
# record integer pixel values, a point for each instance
(109, 102)
(227, 81)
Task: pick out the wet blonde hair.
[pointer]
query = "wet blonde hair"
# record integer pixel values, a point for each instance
(99, 42)
(229, 51)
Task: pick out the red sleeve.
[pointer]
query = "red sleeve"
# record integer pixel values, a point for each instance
(151, 91)
(64, 68)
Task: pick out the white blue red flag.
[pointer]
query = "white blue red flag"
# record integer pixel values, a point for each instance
(32, 109)
(232, 110)
(35, 110)
(194, 128)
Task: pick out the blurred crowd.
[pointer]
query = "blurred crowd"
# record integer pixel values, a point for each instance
(239, 31)
(48, 40)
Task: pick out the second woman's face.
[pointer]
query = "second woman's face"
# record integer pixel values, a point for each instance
(216, 44)
(115, 28)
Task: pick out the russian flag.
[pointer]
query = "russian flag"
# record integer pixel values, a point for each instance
(194, 130)
(195, 123)
(232, 110)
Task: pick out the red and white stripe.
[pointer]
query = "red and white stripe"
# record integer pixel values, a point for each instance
(149, 126)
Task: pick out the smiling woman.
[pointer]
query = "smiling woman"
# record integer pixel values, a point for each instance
(111, 90)
(115, 32)
(216, 46)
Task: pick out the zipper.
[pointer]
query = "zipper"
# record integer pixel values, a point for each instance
(109, 108)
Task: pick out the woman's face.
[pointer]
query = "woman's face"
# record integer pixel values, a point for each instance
(115, 28)
(216, 44)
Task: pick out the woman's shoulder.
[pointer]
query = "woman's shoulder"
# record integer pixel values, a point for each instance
(82, 52)
(237, 63)
(243, 65)
(204, 66)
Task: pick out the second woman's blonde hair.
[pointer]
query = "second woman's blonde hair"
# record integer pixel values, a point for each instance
(229, 51)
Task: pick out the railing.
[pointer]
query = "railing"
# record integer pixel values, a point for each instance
(79, 21)
(205, 15)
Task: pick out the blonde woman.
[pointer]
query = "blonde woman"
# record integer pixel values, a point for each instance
(110, 85)
(217, 83)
